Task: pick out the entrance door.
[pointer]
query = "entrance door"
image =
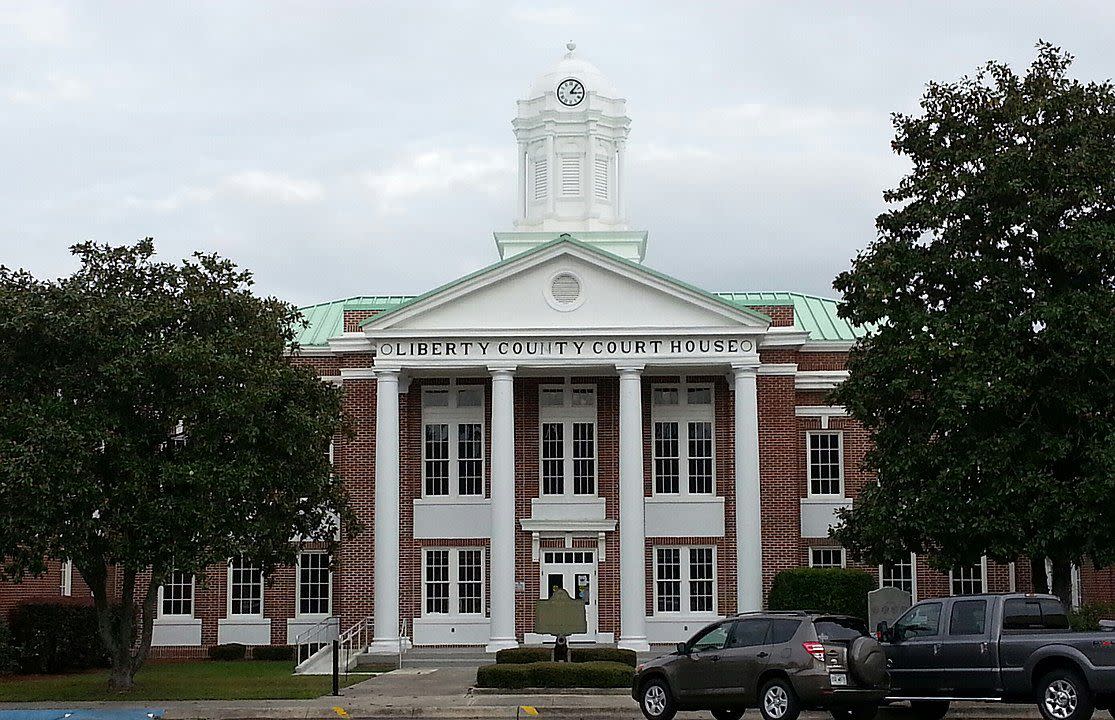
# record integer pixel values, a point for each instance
(575, 572)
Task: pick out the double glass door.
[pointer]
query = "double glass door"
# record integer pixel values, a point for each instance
(575, 572)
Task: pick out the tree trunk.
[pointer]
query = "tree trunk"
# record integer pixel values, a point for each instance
(116, 623)
(1062, 581)
(1038, 576)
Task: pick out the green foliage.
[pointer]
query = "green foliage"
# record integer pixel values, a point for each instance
(830, 590)
(555, 675)
(273, 652)
(524, 655)
(1087, 617)
(9, 653)
(987, 380)
(228, 651)
(150, 420)
(56, 637)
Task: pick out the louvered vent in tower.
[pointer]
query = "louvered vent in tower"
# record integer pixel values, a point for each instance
(600, 178)
(565, 288)
(541, 179)
(571, 175)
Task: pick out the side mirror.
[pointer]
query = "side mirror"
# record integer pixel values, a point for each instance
(682, 649)
(881, 631)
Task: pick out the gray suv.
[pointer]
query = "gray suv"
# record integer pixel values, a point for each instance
(780, 662)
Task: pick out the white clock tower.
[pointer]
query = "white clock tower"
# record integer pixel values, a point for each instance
(572, 131)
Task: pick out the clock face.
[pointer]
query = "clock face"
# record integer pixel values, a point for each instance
(570, 92)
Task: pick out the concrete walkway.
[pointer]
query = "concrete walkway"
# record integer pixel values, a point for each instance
(444, 693)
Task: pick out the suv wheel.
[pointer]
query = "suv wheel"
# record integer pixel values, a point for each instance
(727, 713)
(778, 701)
(656, 701)
(1063, 695)
(929, 709)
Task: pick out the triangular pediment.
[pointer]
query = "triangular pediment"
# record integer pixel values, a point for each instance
(563, 286)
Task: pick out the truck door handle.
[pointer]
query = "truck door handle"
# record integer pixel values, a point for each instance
(936, 648)
(764, 654)
(714, 658)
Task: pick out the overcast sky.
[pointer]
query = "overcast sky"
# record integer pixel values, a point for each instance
(339, 149)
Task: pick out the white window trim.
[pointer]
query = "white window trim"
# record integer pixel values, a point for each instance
(262, 594)
(913, 577)
(983, 579)
(567, 415)
(842, 551)
(454, 582)
(684, 598)
(454, 416)
(67, 588)
(160, 615)
(809, 480)
(683, 413)
(298, 586)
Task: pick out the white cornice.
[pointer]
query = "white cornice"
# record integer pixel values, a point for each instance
(351, 342)
(819, 379)
(824, 412)
(828, 346)
(778, 369)
(313, 351)
(358, 374)
(784, 337)
(541, 526)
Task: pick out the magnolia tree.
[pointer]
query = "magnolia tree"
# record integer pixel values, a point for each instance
(150, 421)
(989, 379)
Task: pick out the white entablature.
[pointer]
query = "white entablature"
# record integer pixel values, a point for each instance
(571, 132)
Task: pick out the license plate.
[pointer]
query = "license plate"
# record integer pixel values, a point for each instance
(838, 679)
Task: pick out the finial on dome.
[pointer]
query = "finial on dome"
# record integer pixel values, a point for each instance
(570, 46)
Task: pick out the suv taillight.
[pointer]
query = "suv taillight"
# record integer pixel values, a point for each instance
(815, 649)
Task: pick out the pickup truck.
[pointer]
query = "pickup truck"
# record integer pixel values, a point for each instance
(998, 648)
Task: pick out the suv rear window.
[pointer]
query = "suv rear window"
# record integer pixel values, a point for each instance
(1034, 614)
(782, 631)
(839, 628)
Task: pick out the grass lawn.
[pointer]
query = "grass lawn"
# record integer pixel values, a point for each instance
(198, 680)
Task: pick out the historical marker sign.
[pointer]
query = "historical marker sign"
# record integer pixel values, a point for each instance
(560, 615)
(886, 605)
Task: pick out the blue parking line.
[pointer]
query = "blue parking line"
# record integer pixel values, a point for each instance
(86, 714)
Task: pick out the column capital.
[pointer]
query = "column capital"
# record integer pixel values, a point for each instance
(742, 370)
(387, 374)
(630, 369)
(502, 371)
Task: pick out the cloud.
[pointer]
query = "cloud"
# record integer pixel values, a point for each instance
(55, 89)
(483, 170)
(254, 185)
(35, 23)
(559, 15)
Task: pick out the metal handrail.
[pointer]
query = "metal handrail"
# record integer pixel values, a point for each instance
(306, 637)
(403, 639)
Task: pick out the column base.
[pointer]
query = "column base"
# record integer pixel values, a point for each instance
(497, 644)
(638, 644)
(387, 646)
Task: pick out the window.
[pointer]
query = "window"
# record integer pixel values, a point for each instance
(1034, 614)
(67, 578)
(685, 580)
(683, 440)
(839, 629)
(314, 583)
(826, 463)
(453, 581)
(782, 631)
(541, 179)
(749, 633)
(919, 621)
(715, 638)
(969, 617)
(453, 441)
(900, 575)
(827, 557)
(969, 579)
(177, 594)
(245, 588)
(568, 439)
(570, 175)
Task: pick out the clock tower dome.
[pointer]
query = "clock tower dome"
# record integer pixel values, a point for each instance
(571, 131)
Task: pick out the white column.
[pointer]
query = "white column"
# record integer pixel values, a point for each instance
(632, 529)
(501, 604)
(749, 535)
(385, 638)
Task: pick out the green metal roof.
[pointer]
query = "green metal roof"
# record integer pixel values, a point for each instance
(817, 315)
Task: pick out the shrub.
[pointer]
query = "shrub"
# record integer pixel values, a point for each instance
(273, 652)
(57, 637)
(521, 655)
(230, 651)
(1087, 618)
(555, 675)
(830, 590)
(9, 655)
(603, 654)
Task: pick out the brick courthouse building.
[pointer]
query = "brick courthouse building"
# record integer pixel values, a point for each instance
(566, 417)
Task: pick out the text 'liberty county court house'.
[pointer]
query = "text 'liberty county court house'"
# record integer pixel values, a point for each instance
(567, 417)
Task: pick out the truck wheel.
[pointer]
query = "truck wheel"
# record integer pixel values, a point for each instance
(929, 709)
(656, 701)
(778, 701)
(1063, 695)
